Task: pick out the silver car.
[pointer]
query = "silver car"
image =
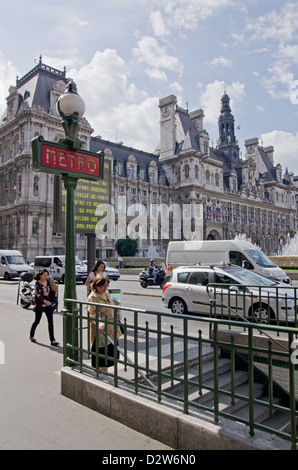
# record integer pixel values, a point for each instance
(112, 273)
(229, 291)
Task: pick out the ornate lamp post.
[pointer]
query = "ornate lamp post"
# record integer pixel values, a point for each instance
(71, 108)
(66, 159)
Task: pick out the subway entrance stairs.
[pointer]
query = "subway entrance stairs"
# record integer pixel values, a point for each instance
(178, 406)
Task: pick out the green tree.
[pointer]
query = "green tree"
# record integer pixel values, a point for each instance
(126, 246)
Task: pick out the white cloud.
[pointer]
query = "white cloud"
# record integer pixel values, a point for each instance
(158, 24)
(277, 26)
(115, 107)
(150, 52)
(260, 108)
(187, 15)
(285, 148)
(8, 75)
(279, 80)
(217, 61)
(211, 96)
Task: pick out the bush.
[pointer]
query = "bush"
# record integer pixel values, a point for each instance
(126, 246)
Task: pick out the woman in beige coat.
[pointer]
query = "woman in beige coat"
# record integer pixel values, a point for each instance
(99, 294)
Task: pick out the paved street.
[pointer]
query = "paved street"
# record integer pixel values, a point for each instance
(33, 413)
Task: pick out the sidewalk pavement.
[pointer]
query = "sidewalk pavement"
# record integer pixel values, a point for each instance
(33, 413)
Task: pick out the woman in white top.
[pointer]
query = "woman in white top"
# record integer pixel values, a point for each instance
(98, 268)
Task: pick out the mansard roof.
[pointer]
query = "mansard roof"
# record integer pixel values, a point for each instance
(190, 131)
(121, 153)
(41, 69)
(34, 87)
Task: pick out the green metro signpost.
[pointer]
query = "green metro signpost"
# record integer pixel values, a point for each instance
(68, 160)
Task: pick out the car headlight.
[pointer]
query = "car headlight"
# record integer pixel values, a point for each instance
(264, 272)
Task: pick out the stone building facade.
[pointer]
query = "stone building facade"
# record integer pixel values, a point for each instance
(185, 189)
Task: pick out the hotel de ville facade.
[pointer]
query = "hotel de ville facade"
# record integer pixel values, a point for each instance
(154, 196)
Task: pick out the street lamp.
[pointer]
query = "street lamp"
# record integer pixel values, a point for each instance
(71, 108)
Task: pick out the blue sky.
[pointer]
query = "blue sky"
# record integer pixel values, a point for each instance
(127, 54)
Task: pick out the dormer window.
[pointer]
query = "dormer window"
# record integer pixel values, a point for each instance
(130, 171)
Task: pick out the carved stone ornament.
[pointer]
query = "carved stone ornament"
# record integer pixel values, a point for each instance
(166, 112)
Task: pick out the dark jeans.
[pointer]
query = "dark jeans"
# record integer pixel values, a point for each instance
(38, 314)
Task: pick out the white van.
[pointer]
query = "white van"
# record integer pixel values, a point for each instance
(239, 252)
(55, 264)
(12, 264)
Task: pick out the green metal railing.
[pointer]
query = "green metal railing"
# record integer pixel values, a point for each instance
(165, 354)
(274, 305)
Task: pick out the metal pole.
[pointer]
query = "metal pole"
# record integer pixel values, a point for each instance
(71, 330)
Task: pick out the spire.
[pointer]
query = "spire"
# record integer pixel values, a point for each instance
(226, 127)
(226, 122)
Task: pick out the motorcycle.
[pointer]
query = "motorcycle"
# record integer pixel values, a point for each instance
(26, 292)
(148, 280)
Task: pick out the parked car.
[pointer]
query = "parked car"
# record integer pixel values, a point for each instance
(55, 264)
(12, 264)
(226, 289)
(112, 273)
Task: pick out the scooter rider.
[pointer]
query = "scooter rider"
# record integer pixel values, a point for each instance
(153, 270)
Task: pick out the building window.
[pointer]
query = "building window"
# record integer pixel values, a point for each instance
(142, 174)
(207, 176)
(152, 177)
(119, 168)
(186, 171)
(130, 171)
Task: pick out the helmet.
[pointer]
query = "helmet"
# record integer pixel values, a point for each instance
(151, 261)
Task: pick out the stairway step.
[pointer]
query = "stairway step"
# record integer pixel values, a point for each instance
(207, 375)
(224, 382)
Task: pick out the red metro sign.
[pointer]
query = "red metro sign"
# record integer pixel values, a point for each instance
(59, 159)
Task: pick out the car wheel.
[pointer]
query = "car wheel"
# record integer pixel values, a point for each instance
(261, 313)
(178, 306)
(6, 277)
